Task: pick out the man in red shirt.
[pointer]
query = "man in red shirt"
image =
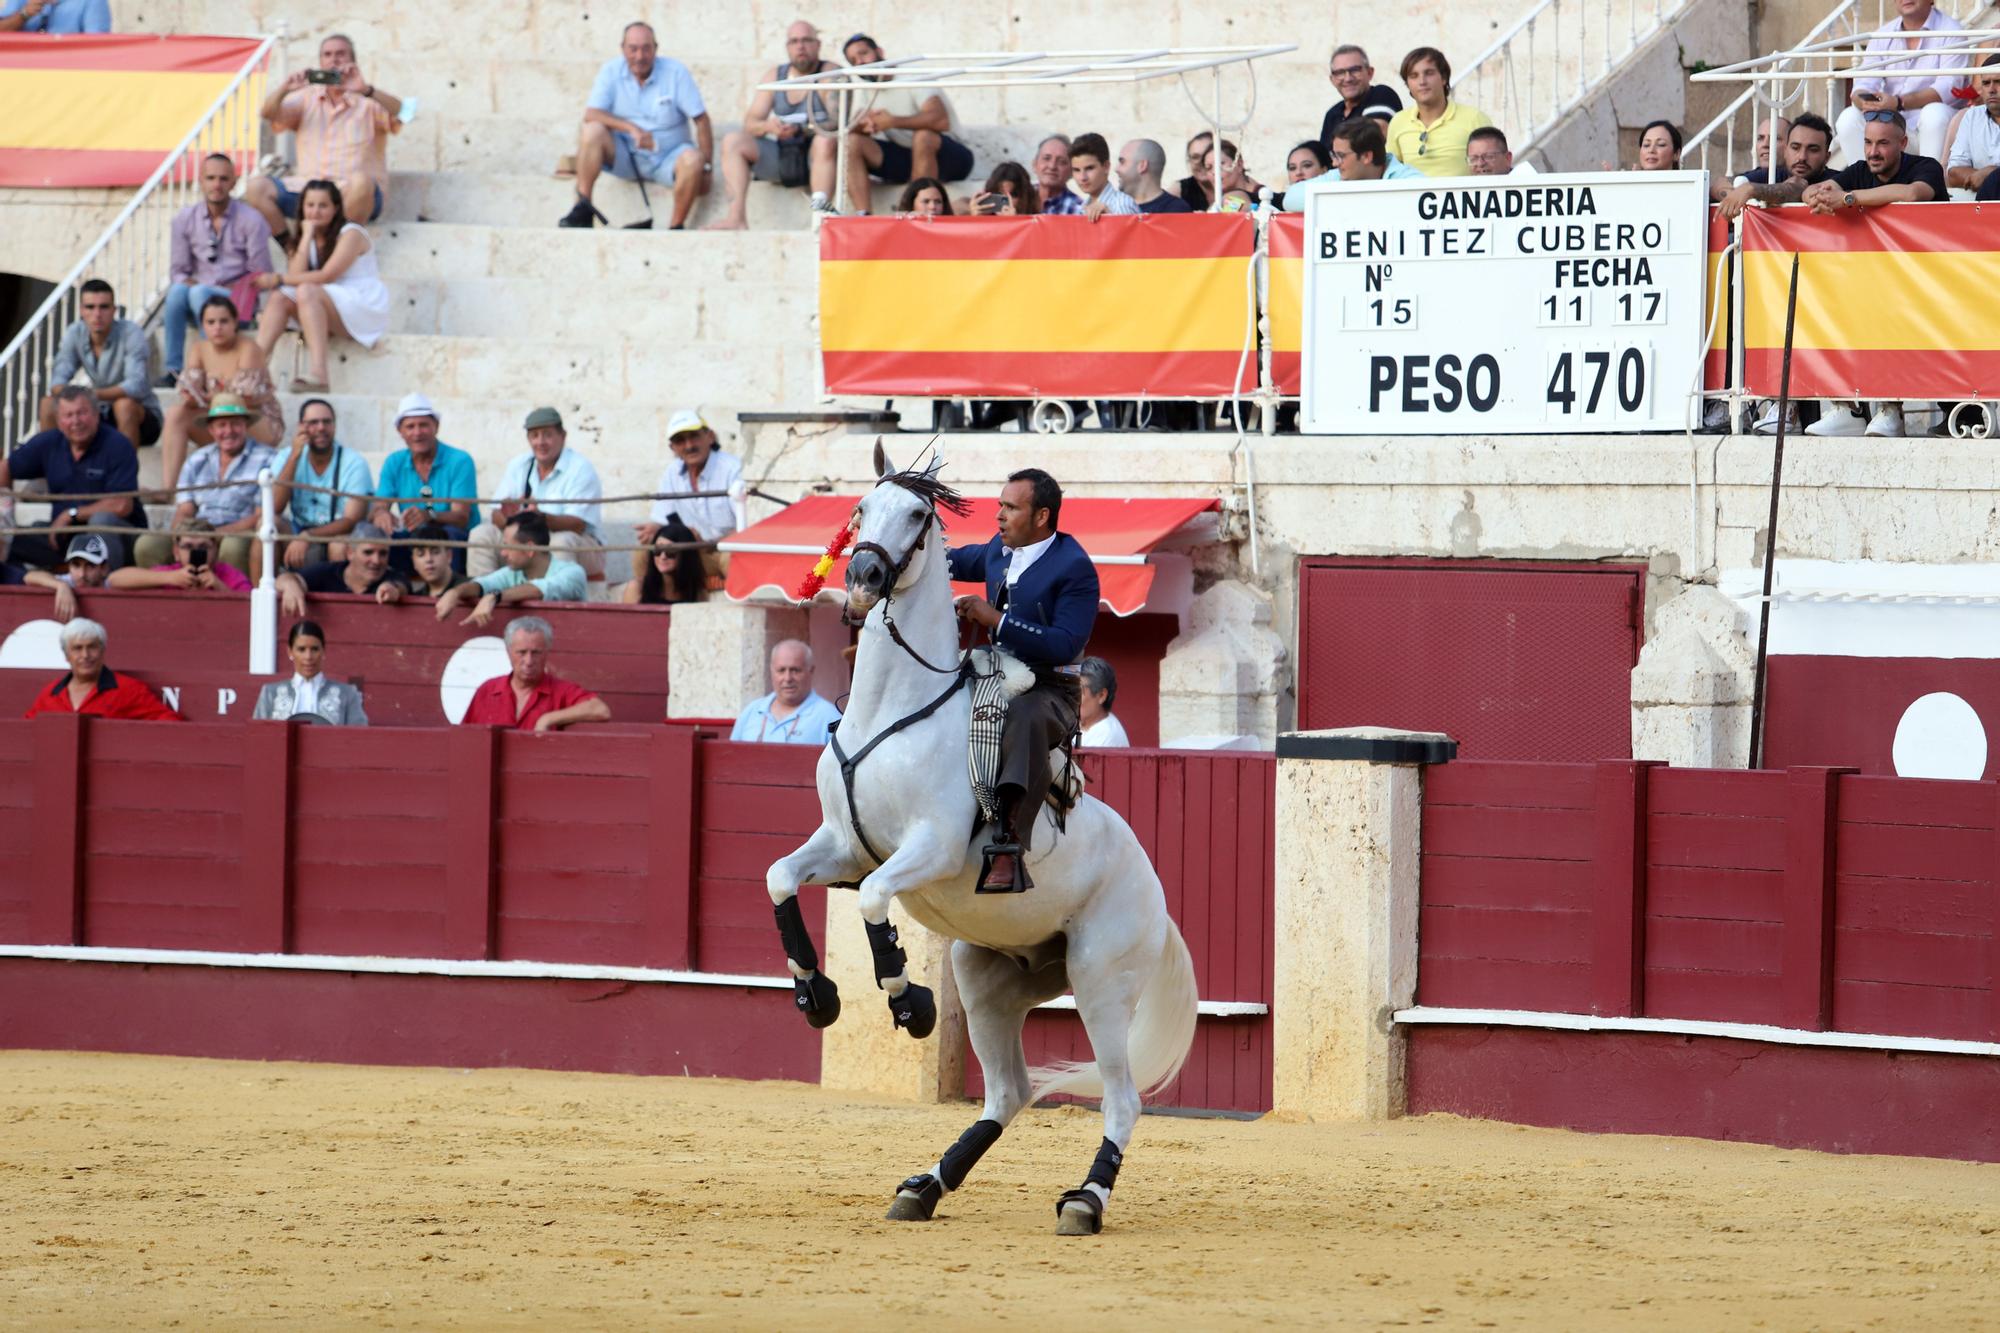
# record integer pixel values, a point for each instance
(91, 688)
(531, 697)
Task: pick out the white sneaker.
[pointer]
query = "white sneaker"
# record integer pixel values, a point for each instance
(1887, 423)
(819, 202)
(1767, 421)
(1837, 419)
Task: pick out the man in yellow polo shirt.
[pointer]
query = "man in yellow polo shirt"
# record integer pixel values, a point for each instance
(1431, 133)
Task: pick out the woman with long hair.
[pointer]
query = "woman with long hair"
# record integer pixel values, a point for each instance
(1660, 146)
(1009, 192)
(924, 197)
(671, 575)
(223, 362)
(332, 285)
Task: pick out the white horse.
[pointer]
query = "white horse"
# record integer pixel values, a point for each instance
(903, 824)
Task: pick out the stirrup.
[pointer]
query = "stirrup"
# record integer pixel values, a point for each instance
(1015, 882)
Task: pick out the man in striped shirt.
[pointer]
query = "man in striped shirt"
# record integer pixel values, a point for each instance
(343, 123)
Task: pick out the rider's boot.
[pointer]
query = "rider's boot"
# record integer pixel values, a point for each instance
(1003, 868)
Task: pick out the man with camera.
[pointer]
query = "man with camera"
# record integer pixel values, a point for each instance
(343, 123)
(775, 141)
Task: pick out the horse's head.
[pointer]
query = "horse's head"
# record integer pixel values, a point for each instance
(894, 535)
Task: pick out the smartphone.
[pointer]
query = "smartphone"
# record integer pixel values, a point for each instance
(327, 76)
(198, 558)
(989, 203)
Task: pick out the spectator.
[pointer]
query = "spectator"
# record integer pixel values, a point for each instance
(216, 244)
(1009, 190)
(791, 714)
(229, 466)
(530, 697)
(1142, 164)
(315, 457)
(558, 483)
(431, 573)
(700, 466)
(309, 696)
(902, 137)
(530, 572)
(1098, 693)
(1051, 170)
(1353, 77)
(1927, 96)
(924, 197)
(1359, 153)
(1975, 149)
(1306, 161)
(424, 480)
(673, 570)
(113, 354)
(224, 362)
(90, 688)
(1487, 153)
(1239, 189)
(81, 456)
(89, 565)
(636, 125)
(332, 285)
(343, 124)
(1196, 187)
(774, 143)
(1430, 135)
(55, 16)
(195, 566)
(1807, 146)
(365, 573)
(1659, 146)
(1091, 193)
(1761, 131)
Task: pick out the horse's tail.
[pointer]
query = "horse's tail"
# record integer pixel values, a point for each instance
(1162, 1032)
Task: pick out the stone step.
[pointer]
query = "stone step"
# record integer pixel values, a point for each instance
(632, 263)
(537, 200)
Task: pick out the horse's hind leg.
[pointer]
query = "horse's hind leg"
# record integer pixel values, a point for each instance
(822, 858)
(997, 996)
(1107, 1009)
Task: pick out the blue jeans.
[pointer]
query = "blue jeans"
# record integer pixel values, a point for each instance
(183, 307)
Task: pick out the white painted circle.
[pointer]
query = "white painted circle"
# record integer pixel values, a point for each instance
(476, 662)
(1940, 736)
(35, 644)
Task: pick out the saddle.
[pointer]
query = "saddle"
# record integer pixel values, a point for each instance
(998, 678)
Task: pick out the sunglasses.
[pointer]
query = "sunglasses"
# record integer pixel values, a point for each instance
(663, 553)
(1880, 115)
(1423, 142)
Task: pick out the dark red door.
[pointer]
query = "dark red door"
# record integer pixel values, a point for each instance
(1515, 659)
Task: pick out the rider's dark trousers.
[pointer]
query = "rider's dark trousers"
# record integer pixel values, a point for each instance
(1037, 722)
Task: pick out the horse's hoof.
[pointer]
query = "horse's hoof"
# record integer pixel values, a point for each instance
(916, 1200)
(817, 998)
(1078, 1213)
(914, 1010)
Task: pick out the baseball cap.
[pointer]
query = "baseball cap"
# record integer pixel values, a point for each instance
(415, 405)
(542, 416)
(683, 421)
(860, 37)
(89, 547)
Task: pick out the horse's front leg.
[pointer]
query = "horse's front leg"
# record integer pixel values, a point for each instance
(922, 858)
(823, 858)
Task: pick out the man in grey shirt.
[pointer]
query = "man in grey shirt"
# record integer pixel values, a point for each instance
(113, 353)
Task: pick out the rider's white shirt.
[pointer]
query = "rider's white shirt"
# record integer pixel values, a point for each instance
(1020, 557)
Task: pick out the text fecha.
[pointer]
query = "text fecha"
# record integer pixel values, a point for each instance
(1545, 201)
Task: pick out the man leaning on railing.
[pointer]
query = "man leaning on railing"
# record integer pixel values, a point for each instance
(82, 456)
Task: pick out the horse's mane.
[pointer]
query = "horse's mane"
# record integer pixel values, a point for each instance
(927, 486)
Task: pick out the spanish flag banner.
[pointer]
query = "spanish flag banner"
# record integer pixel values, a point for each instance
(1155, 306)
(105, 110)
(1287, 257)
(1715, 366)
(1894, 302)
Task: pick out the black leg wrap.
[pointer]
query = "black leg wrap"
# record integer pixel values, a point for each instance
(1079, 1213)
(916, 1199)
(962, 1156)
(817, 998)
(890, 961)
(915, 1010)
(792, 932)
(1104, 1170)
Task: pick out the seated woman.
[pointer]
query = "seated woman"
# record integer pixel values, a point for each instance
(924, 197)
(1308, 160)
(90, 687)
(1239, 188)
(671, 575)
(332, 285)
(222, 362)
(1009, 192)
(1660, 146)
(309, 696)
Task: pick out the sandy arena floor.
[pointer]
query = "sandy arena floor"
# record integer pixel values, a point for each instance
(142, 1192)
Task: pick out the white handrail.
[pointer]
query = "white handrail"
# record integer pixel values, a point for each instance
(135, 253)
(1554, 57)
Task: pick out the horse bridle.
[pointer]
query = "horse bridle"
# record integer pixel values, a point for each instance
(897, 568)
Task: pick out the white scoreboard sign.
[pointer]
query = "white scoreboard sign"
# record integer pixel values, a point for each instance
(1504, 304)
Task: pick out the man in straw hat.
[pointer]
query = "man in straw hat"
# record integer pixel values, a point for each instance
(218, 484)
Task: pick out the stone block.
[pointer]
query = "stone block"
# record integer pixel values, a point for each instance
(1224, 674)
(864, 1052)
(718, 655)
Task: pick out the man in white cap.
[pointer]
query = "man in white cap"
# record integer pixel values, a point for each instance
(555, 481)
(218, 484)
(425, 481)
(698, 466)
(89, 563)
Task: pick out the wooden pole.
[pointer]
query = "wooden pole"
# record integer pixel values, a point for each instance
(1771, 527)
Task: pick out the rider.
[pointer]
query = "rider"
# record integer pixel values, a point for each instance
(1040, 604)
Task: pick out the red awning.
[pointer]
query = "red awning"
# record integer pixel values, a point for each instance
(768, 559)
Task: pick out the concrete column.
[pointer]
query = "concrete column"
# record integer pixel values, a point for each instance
(1349, 812)
(1692, 687)
(1221, 678)
(865, 1051)
(718, 654)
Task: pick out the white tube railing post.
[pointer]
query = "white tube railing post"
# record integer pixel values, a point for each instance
(264, 597)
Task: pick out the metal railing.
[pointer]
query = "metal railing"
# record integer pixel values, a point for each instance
(1726, 146)
(135, 252)
(1555, 57)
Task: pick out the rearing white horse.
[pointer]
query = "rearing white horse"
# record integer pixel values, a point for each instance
(1095, 923)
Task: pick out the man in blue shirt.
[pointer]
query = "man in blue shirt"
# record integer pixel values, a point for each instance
(425, 481)
(316, 458)
(792, 713)
(1040, 605)
(637, 126)
(82, 456)
(56, 16)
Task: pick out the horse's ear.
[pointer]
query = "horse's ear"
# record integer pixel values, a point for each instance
(883, 467)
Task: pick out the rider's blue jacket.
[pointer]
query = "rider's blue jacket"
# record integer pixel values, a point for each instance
(1049, 611)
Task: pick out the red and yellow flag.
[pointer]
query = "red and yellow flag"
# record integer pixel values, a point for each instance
(1125, 307)
(1288, 299)
(105, 110)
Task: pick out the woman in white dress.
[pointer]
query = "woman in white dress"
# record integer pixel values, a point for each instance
(332, 285)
